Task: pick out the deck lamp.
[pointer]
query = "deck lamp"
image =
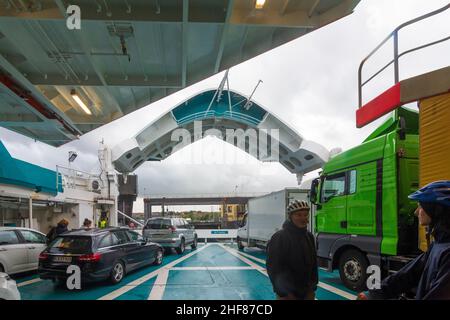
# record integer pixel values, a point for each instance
(259, 4)
(80, 102)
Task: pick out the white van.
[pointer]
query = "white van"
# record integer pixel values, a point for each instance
(266, 215)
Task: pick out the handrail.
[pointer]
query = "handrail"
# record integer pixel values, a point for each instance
(72, 174)
(130, 218)
(397, 56)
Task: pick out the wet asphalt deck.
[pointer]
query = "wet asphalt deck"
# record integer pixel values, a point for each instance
(211, 272)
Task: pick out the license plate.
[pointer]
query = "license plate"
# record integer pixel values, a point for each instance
(63, 259)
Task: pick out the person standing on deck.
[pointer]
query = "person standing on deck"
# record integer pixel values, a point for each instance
(292, 257)
(87, 224)
(60, 228)
(103, 222)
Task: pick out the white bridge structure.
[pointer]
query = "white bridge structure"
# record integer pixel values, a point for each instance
(219, 112)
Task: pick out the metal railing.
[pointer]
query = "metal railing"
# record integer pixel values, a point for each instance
(397, 55)
(130, 218)
(76, 179)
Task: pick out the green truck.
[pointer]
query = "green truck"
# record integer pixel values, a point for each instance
(363, 214)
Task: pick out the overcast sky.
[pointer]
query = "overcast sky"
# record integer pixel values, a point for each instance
(310, 83)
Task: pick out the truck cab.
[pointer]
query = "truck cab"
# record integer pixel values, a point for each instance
(363, 214)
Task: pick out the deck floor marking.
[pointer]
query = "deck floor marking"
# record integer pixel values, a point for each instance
(210, 268)
(337, 291)
(25, 283)
(226, 285)
(249, 262)
(251, 257)
(262, 270)
(116, 293)
(159, 286)
(214, 256)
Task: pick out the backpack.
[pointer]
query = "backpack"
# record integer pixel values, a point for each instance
(51, 234)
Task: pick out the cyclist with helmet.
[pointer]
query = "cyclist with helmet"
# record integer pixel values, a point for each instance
(292, 258)
(429, 273)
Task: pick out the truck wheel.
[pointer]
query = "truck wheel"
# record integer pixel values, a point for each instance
(239, 244)
(181, 248)
(352, 270)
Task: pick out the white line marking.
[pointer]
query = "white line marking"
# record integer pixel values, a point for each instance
(210, 268)
(25, 283)
(127, 287)
(325, 286)
(252, 257)
(337, 291)
(159, 286)
(247, 261)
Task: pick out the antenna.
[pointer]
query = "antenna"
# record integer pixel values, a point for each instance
(248, 104)
(222, 84)
(219, 91)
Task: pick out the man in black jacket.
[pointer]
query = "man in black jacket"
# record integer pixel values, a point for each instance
(292, 258)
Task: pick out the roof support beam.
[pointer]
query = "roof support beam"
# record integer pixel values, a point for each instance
(141, 12)
(19, 117)
(26, 85)
(313, 8)
(297, 19)
(111, 81)
(284, 7)
(184, 43)
(12, 124)
(223, 36)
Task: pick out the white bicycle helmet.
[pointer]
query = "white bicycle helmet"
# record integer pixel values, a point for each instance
(297, 205)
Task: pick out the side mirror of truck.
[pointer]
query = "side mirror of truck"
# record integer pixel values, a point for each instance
(313, 192)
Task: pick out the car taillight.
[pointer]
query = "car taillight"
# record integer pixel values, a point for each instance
(92, 257)
(172, 228)
(43, 256)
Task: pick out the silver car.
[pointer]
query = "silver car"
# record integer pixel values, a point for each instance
(8, 288)
(20, 249)
(174, 233)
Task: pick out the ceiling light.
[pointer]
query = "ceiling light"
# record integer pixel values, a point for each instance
(80, 102)
(259, 4)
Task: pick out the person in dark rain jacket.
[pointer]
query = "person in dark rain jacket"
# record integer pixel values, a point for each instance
(60, 228)
(292, 258)
(429, 273)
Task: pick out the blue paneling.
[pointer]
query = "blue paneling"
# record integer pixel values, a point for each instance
(196, 108)
(23, 174)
